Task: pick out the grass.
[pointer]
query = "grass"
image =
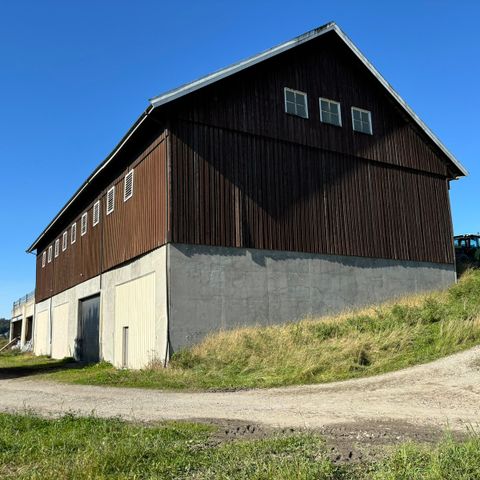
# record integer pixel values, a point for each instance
(87, 448)
(367, 342)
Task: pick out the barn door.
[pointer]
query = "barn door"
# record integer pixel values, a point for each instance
(88, 345)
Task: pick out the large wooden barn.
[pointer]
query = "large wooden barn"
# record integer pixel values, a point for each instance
(294, 183)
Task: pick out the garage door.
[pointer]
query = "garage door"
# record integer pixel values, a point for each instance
(135, 344)
(42, 340)
(60, 332)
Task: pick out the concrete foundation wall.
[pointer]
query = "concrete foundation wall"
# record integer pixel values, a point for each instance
(213, 288)
(106, 284)
(21, 313)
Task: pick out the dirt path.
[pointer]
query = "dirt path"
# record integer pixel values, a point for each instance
(439, 394)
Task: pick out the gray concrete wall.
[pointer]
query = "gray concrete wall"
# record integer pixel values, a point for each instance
(213, 288)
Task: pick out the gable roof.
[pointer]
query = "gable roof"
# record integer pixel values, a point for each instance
(306, 37)
(187, 88)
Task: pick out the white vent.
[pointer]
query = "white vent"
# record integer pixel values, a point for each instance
(57, 247)
(44, 258)
(73, 233)
(110, 200)
(128, 186)
(96, 213)
(50, 248)
(83, 224)
(64, 241)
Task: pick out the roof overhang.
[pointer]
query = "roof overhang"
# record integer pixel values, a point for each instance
(306, 37)
(84, 185)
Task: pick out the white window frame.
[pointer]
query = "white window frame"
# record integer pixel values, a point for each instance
(84, 224)
(64, 241)
(112, 189)
(44, 259)
(96, 213)
(73, 233)
(129, 174)
(57, 247)
(339, 111)
(50, 249)
(369, 120)
(287, 89)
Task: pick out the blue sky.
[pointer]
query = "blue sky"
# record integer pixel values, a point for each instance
(75, 75)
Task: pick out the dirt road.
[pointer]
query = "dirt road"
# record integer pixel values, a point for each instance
(438, 394)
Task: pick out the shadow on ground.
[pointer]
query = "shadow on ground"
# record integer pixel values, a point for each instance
(39, 367)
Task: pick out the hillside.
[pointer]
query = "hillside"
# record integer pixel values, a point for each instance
(367, 342)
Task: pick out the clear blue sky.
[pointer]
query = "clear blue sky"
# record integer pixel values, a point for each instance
(75, 75)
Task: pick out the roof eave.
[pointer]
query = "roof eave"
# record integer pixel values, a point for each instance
(97, 170)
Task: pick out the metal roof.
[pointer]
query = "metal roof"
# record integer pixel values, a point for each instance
(185, 89)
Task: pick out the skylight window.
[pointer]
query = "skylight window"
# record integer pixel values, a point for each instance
(296, 103)
(362, 120)
(330, 112)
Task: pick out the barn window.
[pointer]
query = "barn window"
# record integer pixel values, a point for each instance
(111, 200)
(73, 233)
(96, 213)
(362, 120)
(44, 258)
(330, 112)
(83, 224)
(50, 254)
(296, 103)
(128, 186)
(57, 247)
(64, 241)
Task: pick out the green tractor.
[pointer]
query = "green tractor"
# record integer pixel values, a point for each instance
(467, 249)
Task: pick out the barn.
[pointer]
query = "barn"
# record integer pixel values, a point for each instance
(291, 184)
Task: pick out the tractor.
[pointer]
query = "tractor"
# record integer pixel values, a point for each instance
(467, 249)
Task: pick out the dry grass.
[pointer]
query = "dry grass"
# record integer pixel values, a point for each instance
(365, 342)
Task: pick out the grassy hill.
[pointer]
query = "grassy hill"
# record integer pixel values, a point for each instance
(367, 342)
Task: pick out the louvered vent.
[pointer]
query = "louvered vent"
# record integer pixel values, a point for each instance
(128, 186)
(73, 234)
(83, 224)
(96, 213)
(110, 200)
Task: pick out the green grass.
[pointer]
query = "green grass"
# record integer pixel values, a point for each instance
(371, 341)
(90, 448)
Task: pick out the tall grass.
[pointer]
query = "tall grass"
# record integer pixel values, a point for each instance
(367, 342)
(370, 341)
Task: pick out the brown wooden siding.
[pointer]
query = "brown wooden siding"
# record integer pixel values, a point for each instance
(253, 102)
(235, 189)
(133, 228)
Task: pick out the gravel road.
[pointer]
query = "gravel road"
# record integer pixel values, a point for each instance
(444, 393)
